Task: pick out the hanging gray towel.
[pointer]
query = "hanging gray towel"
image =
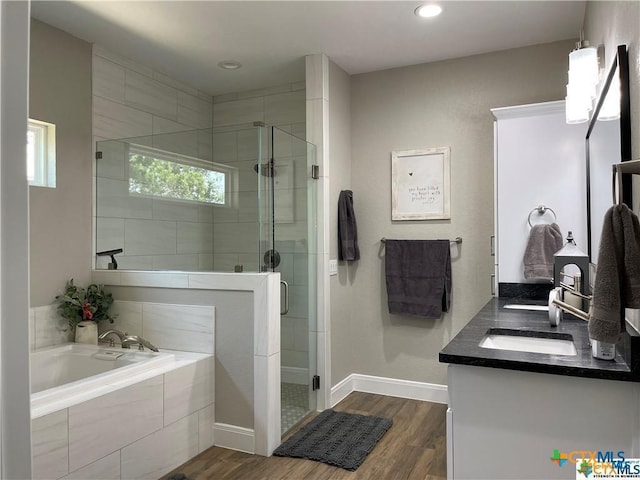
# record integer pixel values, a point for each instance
(418, 277)
(347, 228)
(617, 282)
(544, 241)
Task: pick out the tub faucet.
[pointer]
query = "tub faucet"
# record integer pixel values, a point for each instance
(136, 340)
(122, 336)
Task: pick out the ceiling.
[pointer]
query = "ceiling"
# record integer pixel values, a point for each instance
(186, 40)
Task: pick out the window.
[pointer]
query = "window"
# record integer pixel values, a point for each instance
(163, 174)
(41, 154)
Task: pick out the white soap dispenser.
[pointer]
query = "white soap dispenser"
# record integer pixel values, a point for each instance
(603, 350)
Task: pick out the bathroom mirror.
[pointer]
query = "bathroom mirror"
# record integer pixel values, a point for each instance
(607, 142)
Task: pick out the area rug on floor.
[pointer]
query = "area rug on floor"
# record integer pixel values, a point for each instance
(337, 438)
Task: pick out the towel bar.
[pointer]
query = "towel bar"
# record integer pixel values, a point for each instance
(457, 240)
(630, 166)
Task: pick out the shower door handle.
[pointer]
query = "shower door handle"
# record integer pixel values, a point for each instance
(286, 297)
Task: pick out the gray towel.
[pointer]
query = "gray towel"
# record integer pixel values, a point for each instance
(617, 283)
(418, 277)
(544, 241)
(347, 228)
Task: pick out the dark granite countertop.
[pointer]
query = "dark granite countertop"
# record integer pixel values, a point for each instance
(464, 348)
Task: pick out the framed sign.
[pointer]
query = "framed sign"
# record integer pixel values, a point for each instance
(421, 184)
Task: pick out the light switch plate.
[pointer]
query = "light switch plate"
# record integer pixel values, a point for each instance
(333, 267)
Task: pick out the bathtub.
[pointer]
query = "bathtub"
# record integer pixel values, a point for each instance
(71, 373)
(118, 413)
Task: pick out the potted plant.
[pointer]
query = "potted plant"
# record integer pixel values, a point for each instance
(83, 308)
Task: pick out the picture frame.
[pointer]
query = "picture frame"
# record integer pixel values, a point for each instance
(421, 184)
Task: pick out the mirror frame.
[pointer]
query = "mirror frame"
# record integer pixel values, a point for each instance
(621, 65)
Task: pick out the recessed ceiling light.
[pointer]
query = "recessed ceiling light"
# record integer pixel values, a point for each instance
(229, 64)
(429, 10)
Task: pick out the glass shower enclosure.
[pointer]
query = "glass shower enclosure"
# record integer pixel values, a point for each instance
(228, 199)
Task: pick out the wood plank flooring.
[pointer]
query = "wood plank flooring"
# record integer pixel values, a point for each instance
(414, 448)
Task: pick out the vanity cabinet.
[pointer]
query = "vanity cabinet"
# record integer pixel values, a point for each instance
(509, 409)
(538, 160)
(506, 424)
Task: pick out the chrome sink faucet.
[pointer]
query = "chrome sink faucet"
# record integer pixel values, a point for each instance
(136, 340)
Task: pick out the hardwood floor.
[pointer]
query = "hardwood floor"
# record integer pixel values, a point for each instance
(413, 448)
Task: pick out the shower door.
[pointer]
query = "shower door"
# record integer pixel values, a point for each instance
(287, 195)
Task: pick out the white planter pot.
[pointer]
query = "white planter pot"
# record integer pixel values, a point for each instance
(87, 332)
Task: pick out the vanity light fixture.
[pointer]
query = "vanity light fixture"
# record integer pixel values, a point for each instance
(229, 64)
(428, 10)
(583, 79)
(610, 109)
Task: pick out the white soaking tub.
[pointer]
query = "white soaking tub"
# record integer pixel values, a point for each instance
(118, 413)
(71, 373)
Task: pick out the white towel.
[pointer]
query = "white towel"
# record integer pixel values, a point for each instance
(544, 241)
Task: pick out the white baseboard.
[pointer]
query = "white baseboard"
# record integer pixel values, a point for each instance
(393, 387)
(294, 375)
(340, 390)
(234, 437)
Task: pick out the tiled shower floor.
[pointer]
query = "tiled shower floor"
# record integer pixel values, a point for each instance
(295, 404)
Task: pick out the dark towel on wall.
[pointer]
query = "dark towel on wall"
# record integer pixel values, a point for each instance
(347, 228)
(617, 282)
(418, 277)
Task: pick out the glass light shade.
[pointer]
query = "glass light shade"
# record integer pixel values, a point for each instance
(582, 93)
(583, 79)
(581, 85)
(610, 109)
(583, 63)
(575, 110)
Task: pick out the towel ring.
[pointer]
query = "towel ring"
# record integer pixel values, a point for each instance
(541, 209)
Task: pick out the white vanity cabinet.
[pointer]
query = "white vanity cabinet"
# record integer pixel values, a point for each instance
(506, 424)
(539, 160)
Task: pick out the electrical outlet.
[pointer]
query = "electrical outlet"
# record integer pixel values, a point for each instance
(333, 267)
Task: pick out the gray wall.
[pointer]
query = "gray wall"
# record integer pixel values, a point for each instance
(342, 285)
(431, 105)
(60, 218)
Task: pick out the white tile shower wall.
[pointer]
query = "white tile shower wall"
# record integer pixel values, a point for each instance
(49, 328)
(287, 110)
(132, 100)
(282, 106)
(128, 438)
(179, 327)
(188, 328)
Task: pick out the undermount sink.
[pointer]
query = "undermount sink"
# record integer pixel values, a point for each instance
(523, 306)
(529, 341)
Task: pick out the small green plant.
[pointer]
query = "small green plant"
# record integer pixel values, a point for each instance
(77, 304)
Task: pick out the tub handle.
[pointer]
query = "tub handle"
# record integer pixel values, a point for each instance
(286, 297)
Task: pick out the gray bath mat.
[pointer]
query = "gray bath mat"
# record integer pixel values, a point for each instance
(337, 438)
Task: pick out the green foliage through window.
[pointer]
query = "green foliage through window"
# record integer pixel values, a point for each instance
(161, 177)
